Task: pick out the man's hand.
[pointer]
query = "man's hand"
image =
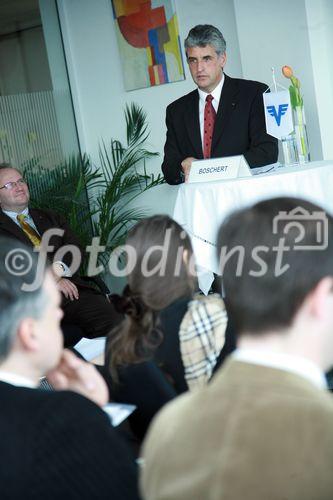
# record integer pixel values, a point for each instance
(186, 166)
(68, 289)
(74, 374)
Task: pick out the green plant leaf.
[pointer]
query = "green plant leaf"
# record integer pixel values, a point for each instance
(99, 201)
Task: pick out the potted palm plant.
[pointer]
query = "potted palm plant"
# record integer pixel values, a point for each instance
(100, 201)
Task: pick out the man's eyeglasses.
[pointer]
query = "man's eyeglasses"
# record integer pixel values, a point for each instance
(12, 185)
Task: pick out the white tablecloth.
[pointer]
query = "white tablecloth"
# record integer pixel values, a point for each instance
(200, 208)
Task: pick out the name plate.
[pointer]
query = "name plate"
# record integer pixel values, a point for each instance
(219, 169)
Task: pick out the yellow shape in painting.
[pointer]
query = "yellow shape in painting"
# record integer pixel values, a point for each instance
(119, 8)
(126, 7)
(157, 78)
(172, 46)
(149, 57)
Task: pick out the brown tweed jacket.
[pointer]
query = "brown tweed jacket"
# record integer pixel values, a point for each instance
(254, 433)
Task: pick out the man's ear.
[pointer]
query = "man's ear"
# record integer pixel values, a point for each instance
(223, 59)
(320, 298)
(27, 335)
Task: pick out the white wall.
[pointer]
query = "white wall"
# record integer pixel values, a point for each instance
(259, 34)
(96, 76)
(320, 22)
(275, 33)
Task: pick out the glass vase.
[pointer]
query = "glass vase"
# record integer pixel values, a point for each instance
(290, 150)
(301, 135)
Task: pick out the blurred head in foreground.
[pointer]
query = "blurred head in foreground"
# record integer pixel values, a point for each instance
(276, 261)
(30, 337)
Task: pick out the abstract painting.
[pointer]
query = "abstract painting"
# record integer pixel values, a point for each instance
(149, 43)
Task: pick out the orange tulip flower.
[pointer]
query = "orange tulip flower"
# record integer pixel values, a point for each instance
(287, 71)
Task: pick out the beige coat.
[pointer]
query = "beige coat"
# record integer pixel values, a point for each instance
(255, 433)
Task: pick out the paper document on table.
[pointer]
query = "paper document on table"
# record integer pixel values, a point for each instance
(118, 412)
(91, 348)
(267, 168)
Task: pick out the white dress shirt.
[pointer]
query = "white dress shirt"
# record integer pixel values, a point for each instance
(18, 380)
(287, 362)
(216, 93)
(28, 218)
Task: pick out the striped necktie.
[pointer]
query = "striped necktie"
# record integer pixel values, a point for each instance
(29, 230)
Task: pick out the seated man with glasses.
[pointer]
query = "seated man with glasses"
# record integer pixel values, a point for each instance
(83, 306)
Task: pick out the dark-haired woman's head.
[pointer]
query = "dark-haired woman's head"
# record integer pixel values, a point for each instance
(160, 271)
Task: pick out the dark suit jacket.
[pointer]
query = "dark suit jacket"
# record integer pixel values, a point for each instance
(92, 313)
(254, 433)
(239, 128)
(168, 354)
(44, 220)
(57, 445)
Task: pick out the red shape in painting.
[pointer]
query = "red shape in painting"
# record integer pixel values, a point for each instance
(135, 27)
(151, 75)
(161, 73)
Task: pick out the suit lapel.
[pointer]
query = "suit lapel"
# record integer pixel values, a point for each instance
(228, 103)
(191, 118)
(9, 228)
(42, 223)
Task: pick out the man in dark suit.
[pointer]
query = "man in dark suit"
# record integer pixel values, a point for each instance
(235, 112)
(82, 305)
(262, 429)
(54, 444)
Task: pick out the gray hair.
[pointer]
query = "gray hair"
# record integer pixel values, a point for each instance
(206, 34)
(16, 304)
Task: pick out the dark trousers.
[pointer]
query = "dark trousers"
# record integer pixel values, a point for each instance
(92, 313)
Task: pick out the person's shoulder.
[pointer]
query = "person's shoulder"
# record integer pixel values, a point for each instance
(247, 85)
(69, 412)
(47, 216)
(43, 212)
(47, 404)
(67, 428)
(319, 402)
(175, 311)
(183, 100)
(73, 402)
(3, 215)
(206, 315)
(180, 421)
(22, 395)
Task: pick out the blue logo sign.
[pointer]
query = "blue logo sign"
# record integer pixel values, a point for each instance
(282, 109)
